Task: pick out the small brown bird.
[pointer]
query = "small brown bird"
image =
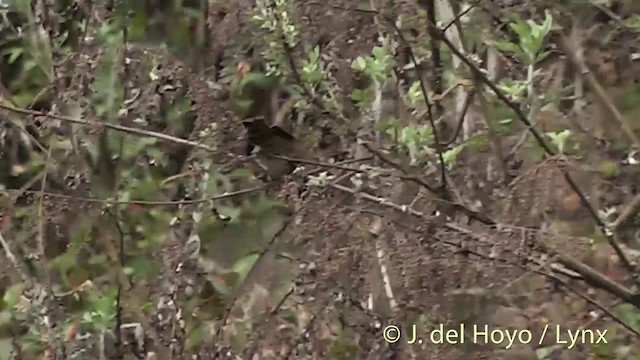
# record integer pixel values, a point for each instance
(272, 140)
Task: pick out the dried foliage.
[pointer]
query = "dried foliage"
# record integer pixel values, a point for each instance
(407, 167)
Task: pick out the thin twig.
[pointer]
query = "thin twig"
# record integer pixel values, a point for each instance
(121, 128)
(537, 270)
(317, 163)
(148, 202)
(611, 238)
(437, 68)
(571, 50)
(630, 211)
(430, 118)
(461, 14)
(435, 191)
(461, 117)
(590, 275)
(14, 260)
(350, 161)
(43, 183)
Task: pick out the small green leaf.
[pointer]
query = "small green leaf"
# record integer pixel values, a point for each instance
(259, 80)
(415, 92)
(197, 336)
(542, 56)
(244, 265)
(242, 107)
(548, 22)
(409, 135)
(521, 28)
(359, 63)
(315, 54)
(506, 46)
(379, 53)
(359, 95)
(15, 54)
(560, 139)
(12, 295)
(450, 156)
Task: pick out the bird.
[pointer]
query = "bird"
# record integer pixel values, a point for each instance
(271, 139)
(256, 102)
(273, 143)
(254, 94)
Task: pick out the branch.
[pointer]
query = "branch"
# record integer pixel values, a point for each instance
(438, 192)
(146, 202)
(423, 88)
(572, 52)
(590, 275)
(611, 238)
(124, 129)
(630, 211)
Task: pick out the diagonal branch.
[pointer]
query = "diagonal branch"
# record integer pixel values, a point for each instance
(570, 48)
(436, 191)
(589, 275)
(423, 88)
(121, 128)
(610, 236)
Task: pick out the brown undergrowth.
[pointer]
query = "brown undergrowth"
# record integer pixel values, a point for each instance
(204, 255)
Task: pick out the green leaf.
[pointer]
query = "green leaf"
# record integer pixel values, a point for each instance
(477, 142)
(623, 351)
(506, 46)
(244, 265)
(609, 169)
(15, 54)
(388, 127)
(560, 139)
(425, 132)
(12, 295)
(131, 148)
(379, 53)
(521, 28)
(415, 92)
(259, 80)
(533, 27)
(359, 63)
(315, 54)
(450, 156)
(542, 56)
(548, 22)
(219, 285)
(358, 95)
(196, 337)
(242, 107)
(409, 135)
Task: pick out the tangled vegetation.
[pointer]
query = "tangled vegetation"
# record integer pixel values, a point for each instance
(284, 179)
